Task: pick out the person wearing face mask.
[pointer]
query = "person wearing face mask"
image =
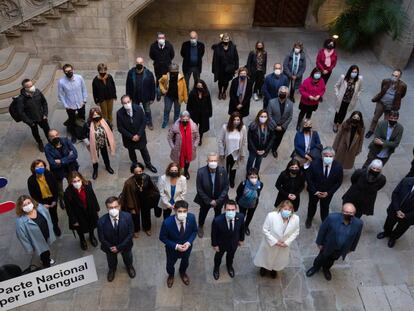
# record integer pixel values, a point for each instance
(348, 142)
(260, 139)
(225, 63)
(99, 138)
(82, 208)
(104, 91)
(131, 123)
(294, 67)
(272, 83)
(173, 187)
(326, 59)
(192, 52)
(33, 110)
(365, 185)
(140, 87)
(240, 93)
(43, 189)
(162, 53)
(72, 94)
(178, 233)
(256, 67)
(311, 90)
(308, 145)
(324, 177)
(200, 108)
(227, 234)
(280, 229)
(174, 89)
(34, 228)
(232, 145)
(290, 184)
(115, 232)
(389, 98)
(212, 189)
(337, 236)
(387, 138)
(248, 193)
(347, 90)
(139, 195)
(280, 111)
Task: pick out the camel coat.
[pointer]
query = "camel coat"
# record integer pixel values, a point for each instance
(174, 140)
(164, 186)
(182, 87)
(346, 151)
(340, 88)
(270, 256)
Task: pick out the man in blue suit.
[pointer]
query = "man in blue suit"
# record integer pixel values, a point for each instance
(338, 235)
(272, 84)
(178, 233)
(227, 233)
(115, 232)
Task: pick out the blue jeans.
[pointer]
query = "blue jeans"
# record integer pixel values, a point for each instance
(168, 103)
(254, 158)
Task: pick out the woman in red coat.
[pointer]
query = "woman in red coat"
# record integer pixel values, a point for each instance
(312, 89)
(326, 59)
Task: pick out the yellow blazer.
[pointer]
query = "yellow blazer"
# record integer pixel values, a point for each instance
(182, 87)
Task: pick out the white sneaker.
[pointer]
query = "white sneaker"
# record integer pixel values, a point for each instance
(255, 97)
(52, 261)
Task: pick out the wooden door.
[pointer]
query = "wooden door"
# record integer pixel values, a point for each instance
(280, 13)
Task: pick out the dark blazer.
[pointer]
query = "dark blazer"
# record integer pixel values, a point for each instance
(318, 182)
(32, 108)
(234, 99)
(272, 84)
(224, 64)
(287, 184)
(204, 186)
(201, 110)
(68, 161)
(170, 235)
(162, 57)
(273, 109)
(381, 133)
(109, 237)
(34, 189)
(314, 147)
(148, 85)
(128, 127)
(87, 218)
(185, 54)
(328, 233)
(411, 172)
(398, 199)
(400, 91)
(221, 235)
(251, 64)
(253, 139)
(103, 91)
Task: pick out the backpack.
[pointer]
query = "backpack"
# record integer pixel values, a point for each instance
(14, 109)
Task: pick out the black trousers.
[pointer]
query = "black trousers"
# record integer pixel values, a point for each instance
(166, 213)
(278, 139)
(45, 258)
(324, 206)
(44, 124)
(204, 211)
(258, 80)
(395, 232)
(112, 259)
(145, 217)
(173, 256)
(341, 114)
(304, 111)
(144, 153)
(72, 113)
(248, 214)
(187, 75)
(52, 211)
(223, 85)
(326, 77)
(229, 258)
(105, 156)
(82, 235)
(326, 261)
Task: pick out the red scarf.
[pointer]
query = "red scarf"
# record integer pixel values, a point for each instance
(82, 196)
(186, 152)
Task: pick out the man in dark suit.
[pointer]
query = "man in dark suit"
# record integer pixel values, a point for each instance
(400, 212)
(338, 235)
(115, 232)
(192, 52)
(227, 233)
(212, 188)
(324, 177)
(178, 233)
(131, 123)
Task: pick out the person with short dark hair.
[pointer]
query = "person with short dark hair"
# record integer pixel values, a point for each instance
(240, 93)
(227, 234)
(326, 59)
(192, 52)
(33, 110)
(178, 233)
(272, 83)
(115, 231)
(104, 91)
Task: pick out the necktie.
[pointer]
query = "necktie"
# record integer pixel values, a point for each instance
(116, 225)
(181, 228)
(231, 225)
(326, 171)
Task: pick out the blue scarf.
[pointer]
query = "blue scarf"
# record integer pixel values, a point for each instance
(250, 195)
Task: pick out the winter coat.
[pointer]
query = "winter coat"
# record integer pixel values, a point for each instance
(128, 127)
(287, 184)
(68, 160)
(234, 99)
(201, 110)
(320, 60)
(253, 139)
(345, 150)
(224, 64)
(287, 67)
(186, 55)
(174, 140)
(182, 87)
(34, 188)
(148, 86)
(162, 57)
(340, 88)
(32, 108)
(308, 88)
(102, 91)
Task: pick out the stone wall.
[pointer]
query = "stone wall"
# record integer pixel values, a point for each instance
(327, 14)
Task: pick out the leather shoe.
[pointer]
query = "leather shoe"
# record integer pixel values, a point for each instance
(148, 232)
(40, 146)
(83, 245)
(170, 281)
(185, 278)
(273, 274)
(311, 272)
(369, 134)
(152, 168)
(381, 235)
(247, 231)
(308, 223)
(131, 272)
(391, 243)
(200, 232)
(275, 154)
(57, 231)
(111, 275)
(230, 270)
(262, 271)
(109, 170)
(327, 274)
(216, 274)
(93, 240)
(187, 175)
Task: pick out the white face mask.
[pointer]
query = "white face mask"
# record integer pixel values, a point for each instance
(114, 212)
(262, 120)
(161, 41)
(28, 208)
(278, 72)
(128, 106)
(253, 180)
(193, 41)
(31, 89)
(181, 216)
(213, 165)
(297, 51)
(327, 160)
(77, 185)
(354, 75)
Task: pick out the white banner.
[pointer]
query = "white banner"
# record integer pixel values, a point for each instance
(47, 282)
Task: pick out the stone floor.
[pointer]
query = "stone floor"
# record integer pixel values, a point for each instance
(373, 278)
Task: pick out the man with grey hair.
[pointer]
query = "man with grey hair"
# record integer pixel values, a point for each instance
(212, 188)
(324, 177)
(280, 110)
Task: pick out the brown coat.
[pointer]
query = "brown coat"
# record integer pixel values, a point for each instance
(400, 90)
(174, 140)
(346, 151)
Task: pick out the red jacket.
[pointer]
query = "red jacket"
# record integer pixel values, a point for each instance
(320, 60)
(308, 88)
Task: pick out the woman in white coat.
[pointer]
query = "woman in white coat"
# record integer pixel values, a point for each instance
(347, 91)
(280, 229)
(173, 187)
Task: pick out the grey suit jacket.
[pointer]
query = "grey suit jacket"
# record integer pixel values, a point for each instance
(273, 110)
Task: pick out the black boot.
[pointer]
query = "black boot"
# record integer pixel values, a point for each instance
(95, 171)
(109, 168)
(232, 176)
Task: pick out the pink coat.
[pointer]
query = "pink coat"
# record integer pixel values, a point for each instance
(308, 88)
(174, 140)
(320, 60)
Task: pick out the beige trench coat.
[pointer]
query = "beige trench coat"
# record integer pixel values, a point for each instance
(340, 88)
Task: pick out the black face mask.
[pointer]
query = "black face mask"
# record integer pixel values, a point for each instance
(139, 67)
(347, 217)
(174, 74)
(69, 74)
(307, 129)
(102, 74)
(200, 89)
(225, 43)
(293, 171)
(97, 119)
(184, 122)
(392, 123)
(55, 141)
(374, 173)
(174, 174)
(138, 176)
(330, 47)
(282, 96)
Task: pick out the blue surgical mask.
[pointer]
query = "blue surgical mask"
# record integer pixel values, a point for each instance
(286, 214)
(354, 75)
(327, 160)
(39, 170)
(317, 76)
(230, 214)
